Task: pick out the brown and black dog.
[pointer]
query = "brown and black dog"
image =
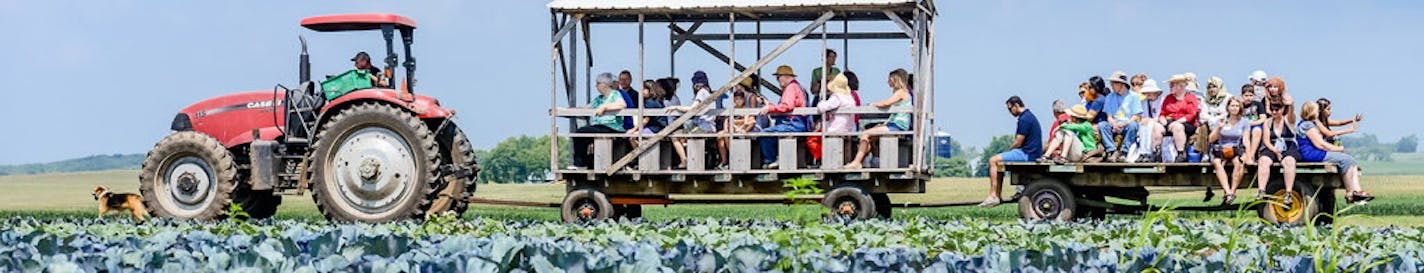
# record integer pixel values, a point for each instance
(118, 202)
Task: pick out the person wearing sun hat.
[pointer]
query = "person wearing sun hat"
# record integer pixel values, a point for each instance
(1257, 80)
(792, 96)
(1150, 131)
(1123, 109)
(1180, 110)
(1073, 139)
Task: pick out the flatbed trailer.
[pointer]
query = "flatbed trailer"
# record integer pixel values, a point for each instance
(1080, 190)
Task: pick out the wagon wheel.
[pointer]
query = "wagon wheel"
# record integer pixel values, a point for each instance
(1048, 200)
(849, 202)
(584, 205)
(1303, 207)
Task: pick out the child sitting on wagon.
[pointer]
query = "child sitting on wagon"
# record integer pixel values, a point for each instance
(1074, 141)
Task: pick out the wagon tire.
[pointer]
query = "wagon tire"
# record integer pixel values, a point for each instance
(1048, 200)
(585, 205)
(1304, 205)
(849, 203)
(882, 205)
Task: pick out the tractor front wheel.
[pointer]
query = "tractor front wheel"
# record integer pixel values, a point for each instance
(188, 175)
(373, 163)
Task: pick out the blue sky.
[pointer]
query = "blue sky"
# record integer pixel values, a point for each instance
(99, 77)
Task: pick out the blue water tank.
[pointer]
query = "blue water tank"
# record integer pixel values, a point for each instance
(942, 145)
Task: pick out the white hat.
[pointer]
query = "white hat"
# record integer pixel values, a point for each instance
(1150, 86)
(1119, 76)
(1257, 75)
(1191, 81)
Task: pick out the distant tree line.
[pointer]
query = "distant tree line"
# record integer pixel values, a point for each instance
(83, 164)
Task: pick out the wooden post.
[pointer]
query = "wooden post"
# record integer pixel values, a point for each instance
(701, 106)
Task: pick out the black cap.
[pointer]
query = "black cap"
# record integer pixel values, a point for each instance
(361, 56)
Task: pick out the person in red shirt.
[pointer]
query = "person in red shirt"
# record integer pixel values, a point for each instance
(1179, 114)
(792, 97)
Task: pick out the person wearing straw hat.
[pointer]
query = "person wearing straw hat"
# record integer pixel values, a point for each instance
(1123, 110)
(792, 97)
(1028, 145)
(1180, 111)
(839, 98)
(1073, 139)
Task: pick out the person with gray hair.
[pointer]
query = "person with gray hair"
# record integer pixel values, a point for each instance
(601, 122)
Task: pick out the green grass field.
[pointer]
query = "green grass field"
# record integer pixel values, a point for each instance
(1401, 201)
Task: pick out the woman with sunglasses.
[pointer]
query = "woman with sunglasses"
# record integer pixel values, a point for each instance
(1226, 148)
(1277, 145)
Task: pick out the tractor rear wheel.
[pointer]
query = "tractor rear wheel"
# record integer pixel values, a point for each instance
(188, 175)
(374, 163)
(455, 150)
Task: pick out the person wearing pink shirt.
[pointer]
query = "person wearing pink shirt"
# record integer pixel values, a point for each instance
(792, 97)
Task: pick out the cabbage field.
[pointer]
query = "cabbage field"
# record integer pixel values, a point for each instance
(1157, 242)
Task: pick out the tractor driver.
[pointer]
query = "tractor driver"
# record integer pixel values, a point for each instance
(363, 62)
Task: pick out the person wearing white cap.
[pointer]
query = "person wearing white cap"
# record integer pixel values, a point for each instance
(1123, 109)
(1258, 82)
(1150, 133)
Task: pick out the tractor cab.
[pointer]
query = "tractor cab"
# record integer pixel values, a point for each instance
(388, 24)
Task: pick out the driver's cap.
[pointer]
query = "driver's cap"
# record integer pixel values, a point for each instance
(361, 56)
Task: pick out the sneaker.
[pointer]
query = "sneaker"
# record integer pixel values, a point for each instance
(771, 166)
(852, 166)
(990, 202)
(575, 168)
(1226, 201)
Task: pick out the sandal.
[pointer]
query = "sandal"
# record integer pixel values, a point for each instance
(1359, 197)
(1226, 201)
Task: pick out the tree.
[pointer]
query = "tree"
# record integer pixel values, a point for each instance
(952, 167)
(997, 145)
(1408, 144)
(513, 159)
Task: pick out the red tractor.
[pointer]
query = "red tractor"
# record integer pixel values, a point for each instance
(373, 154)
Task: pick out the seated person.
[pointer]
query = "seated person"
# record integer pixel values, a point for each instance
(652, 99)
(1226, 139)
(792, 97)
(1074, 140)
(1255, 113)
(1122, 109)
(1279, 144)
(363, 62)
(898, 122)
(1179, 115)
(736, 124)
(602, 122)
(703, 124)
(1314, 148)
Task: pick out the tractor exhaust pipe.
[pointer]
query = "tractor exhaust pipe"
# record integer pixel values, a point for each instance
(304, 63)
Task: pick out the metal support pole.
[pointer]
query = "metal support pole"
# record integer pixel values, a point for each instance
(639, 118)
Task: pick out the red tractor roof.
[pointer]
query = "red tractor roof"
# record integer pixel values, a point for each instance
(363, 21)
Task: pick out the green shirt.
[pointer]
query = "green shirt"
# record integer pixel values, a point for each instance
(607, 119)
(1085, 133)
(816, 75)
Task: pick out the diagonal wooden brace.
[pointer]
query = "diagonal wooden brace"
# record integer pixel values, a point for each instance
(701, 106)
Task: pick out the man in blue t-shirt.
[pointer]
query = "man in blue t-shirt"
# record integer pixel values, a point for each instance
(1028, 145)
